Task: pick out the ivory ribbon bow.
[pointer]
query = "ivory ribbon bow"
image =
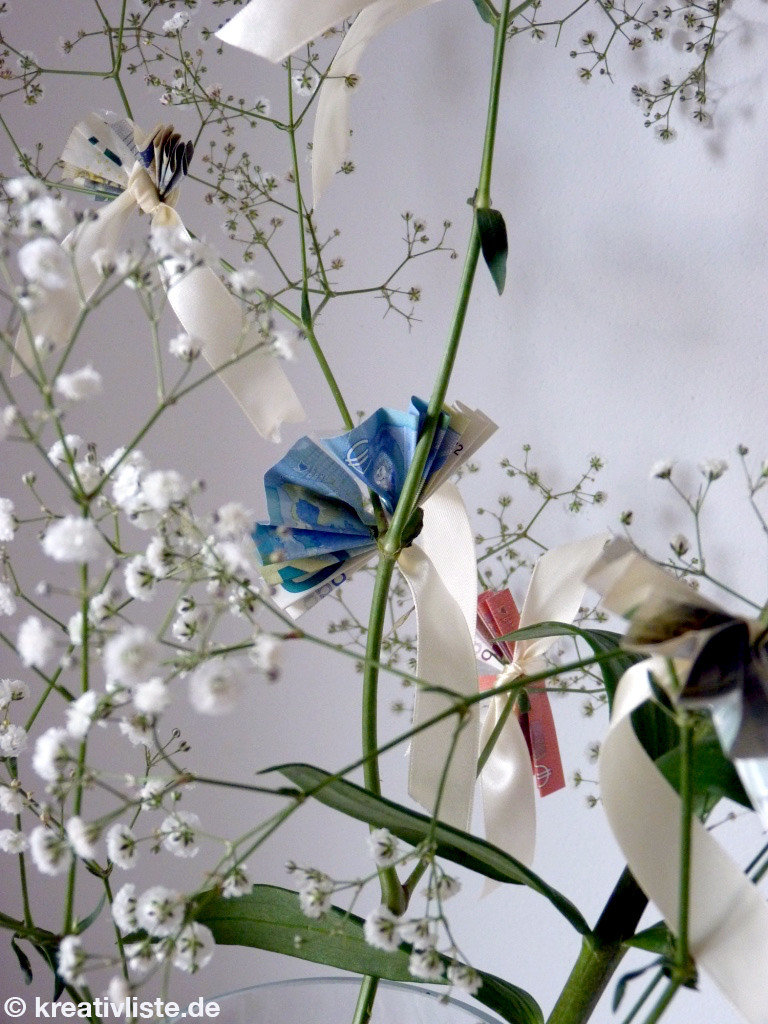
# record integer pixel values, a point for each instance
(204, 307)
(554, 594)
(441, 572)
(727, 915)
(275, 28)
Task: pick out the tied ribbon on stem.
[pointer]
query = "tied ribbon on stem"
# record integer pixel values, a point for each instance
(276, 28)
(727, 915)
(554, 593)
(108, 159)
(321, 530)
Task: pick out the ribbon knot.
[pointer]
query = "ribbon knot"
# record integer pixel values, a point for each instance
(100, 154)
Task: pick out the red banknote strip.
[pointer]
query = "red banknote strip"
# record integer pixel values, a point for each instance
(543, 745)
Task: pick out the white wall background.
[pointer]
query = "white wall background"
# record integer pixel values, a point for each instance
(632, 325)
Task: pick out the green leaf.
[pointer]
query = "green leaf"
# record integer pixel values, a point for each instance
(493, 240)
(656, 939)
(270, 918)
(713, 773)
(621, 985)
(602, 641)
(485, 11)
(413, 828)
(88, 921)
(24, 964)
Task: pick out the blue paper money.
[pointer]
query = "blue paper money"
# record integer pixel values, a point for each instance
(321, 526)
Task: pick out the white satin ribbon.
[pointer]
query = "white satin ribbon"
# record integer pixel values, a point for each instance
(330, 142)
(554, 594)
(441, 572)
(276, 28)
(727, 915)
(202, 304)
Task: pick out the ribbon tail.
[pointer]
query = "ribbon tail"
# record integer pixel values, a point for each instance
(509, 790)
(208, 313)
(57, 314)
(331, 136)
(275, 28)
(446, 658)
(728, 917)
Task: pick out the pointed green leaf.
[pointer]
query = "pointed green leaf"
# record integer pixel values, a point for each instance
(485, 11)
(493, 240)
(412, 827)
(713, 774)
(621, 985)
(656, 939)
(270, 918)
(24, 964)
(88, 921)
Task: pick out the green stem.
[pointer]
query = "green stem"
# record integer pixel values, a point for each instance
(365, 999)
(600, 953)
(306, 313)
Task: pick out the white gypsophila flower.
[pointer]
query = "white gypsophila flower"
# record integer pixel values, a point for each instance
(124, 908)
(236, 881)
(266, 653)
(34, 642)
(446, 887)
(80, 714)
(46, 214)
(7, 600)
(7, 520)
(12, 841)
(152, 792)
(179, 21)
(50, 851)
(152, 697)
(141, 956)
(9, 417)
(282, 344)
(139, 579)
(160, 558)
(44, 262)
(13, 739)
(122, 848)
(11, 800)
(418, 931)
(52, 755)
(214, 687)
(82, 837)
(380, 929)
(162, 488)
(188, 624)
(465, 978)
(315, 899)
(680, 544)
(132, 656)
(661, 470)
(383, 847)
(118, 991)
(160, 910)
(100, 606)
(139, 729)
(87, 475)
(193, 948)
(245, 282)
(79, 385)
(44, 345)
(184, 347)
(179, 833)
(234, 557)
(305, 82)
(12, 689)
(24, 188)
(72, 539)
(426, 964)
(713, 469)
(233, 521)
(71, 960)
(75, 629)
(65, 450)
